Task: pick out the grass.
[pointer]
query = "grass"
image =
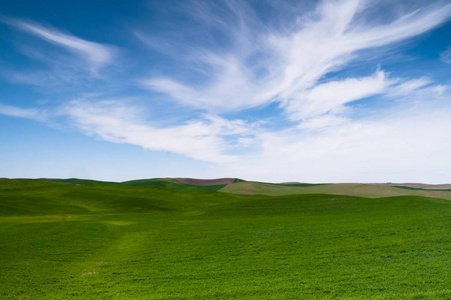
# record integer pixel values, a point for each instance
(353, 189)
(98, 241)
(166, 182)
(421, 189)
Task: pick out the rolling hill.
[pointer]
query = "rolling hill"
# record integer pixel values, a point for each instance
(240, 186)
(165, 239)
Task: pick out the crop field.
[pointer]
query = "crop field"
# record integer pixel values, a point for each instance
(163, 240)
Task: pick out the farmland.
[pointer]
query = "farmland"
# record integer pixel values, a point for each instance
(161, 239)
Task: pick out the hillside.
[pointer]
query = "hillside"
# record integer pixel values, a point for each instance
(351, 189)
(239, 186)
(62, 240)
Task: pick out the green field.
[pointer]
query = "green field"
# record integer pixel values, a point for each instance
(350, 189)
(158, 239)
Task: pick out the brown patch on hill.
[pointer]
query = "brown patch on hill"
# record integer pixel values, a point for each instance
(243, 192)
(192, 181)
(417, 185)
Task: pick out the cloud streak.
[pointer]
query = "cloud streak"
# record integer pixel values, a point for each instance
(446, 56)
(26, 113)
(95, 54)
(113, 121)
(280, 66)
(330, 97)
(410, 146)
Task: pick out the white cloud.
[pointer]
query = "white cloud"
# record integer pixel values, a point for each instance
(408, 86)
(406, 26)
(208, 138)
(446, 56)
(27, 113)
(184, 94)
(413, 148)
(97, 55)
(409, 144)
(323, 121)
(288, 63)
(230, 90)
(115, 122)
(333, 95)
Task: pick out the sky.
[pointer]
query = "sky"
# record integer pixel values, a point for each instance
(266, 90)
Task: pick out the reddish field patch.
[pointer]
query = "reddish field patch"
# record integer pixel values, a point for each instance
(218, 181)
(418, 185)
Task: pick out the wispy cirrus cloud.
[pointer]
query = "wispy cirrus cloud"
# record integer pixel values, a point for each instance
(407, 87)
(446, 56)
(203, 139)
(208, 138)
(275, 65)
(407, 145)
(360, 152)
(330, 97)
(26, 113)
(96, 55)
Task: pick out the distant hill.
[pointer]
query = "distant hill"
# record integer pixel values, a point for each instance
(164, 239)
(349, 189)
(240, 186)
(219, 181)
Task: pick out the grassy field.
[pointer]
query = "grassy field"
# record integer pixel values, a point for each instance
(73, 240)
(350, 189)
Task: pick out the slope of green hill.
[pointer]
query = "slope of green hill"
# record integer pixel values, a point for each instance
(173, 184)
(82, 181)
(20, 184)
(166, 182)
(239, 186)
(351, 189)
(98, 241)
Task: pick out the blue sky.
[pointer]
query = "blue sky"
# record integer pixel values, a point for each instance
(308, 91)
